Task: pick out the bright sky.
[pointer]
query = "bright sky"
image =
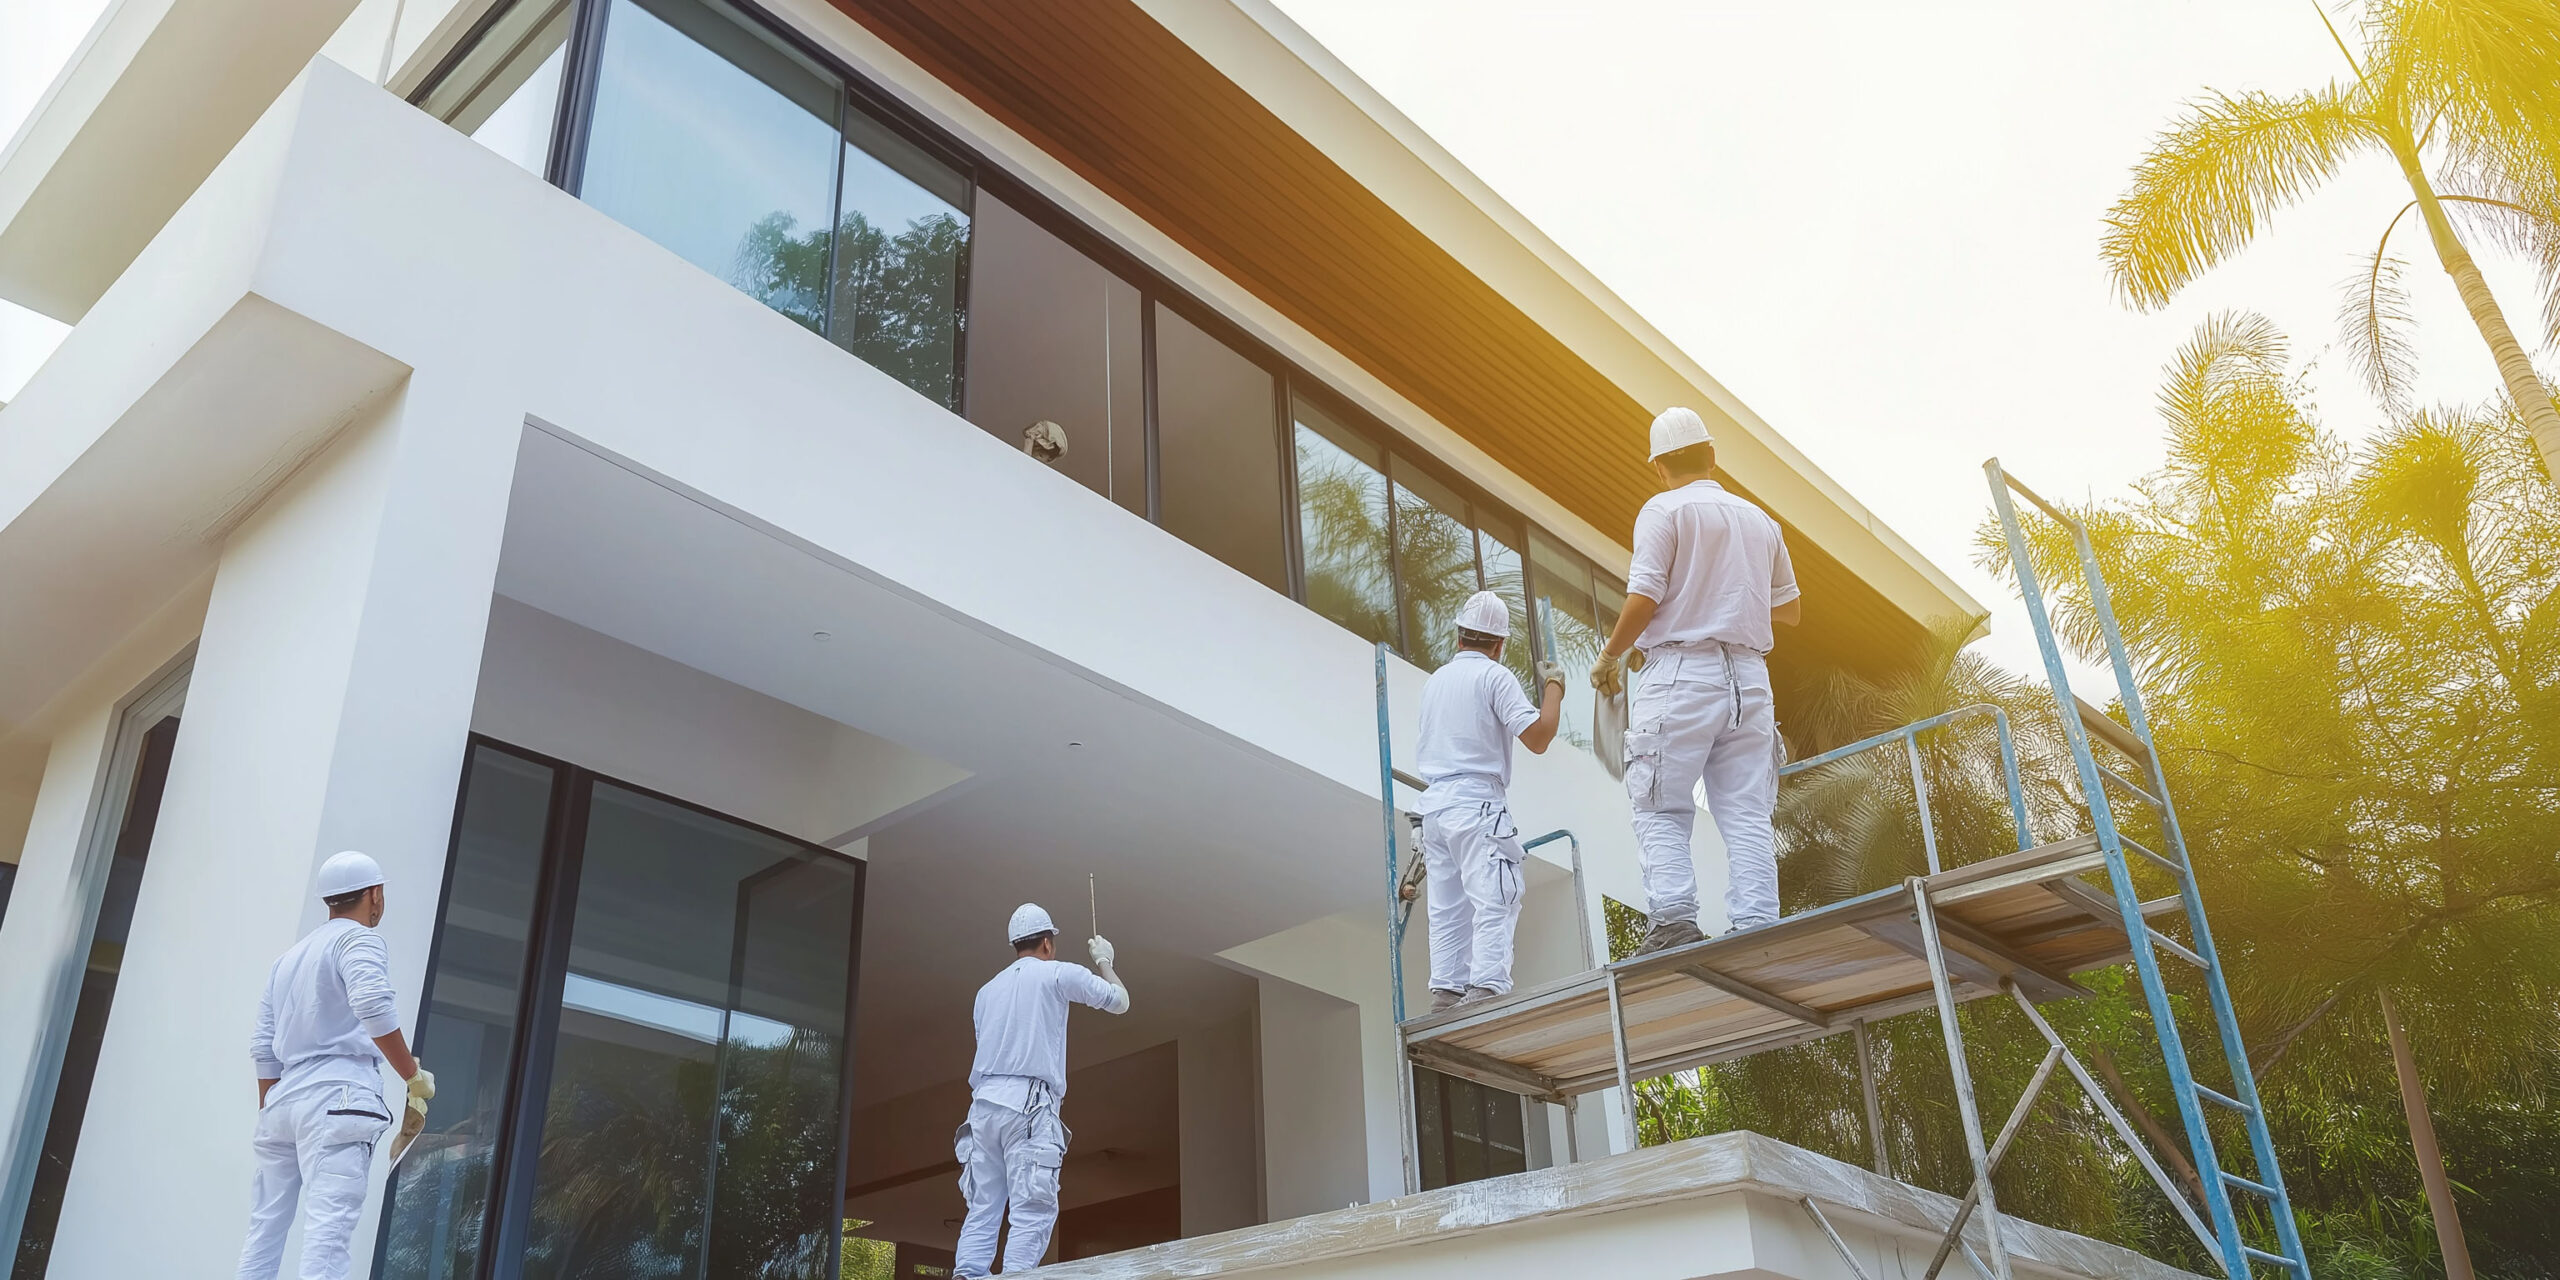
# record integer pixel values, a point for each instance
(1878, 223)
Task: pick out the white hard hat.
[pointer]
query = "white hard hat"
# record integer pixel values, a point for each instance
(1485, 612)
(1678, 428)
(1028, 921)
(347, 872)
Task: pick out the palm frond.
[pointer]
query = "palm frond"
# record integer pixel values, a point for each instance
(2485, 66)
(2373, 321)
(2216, 176)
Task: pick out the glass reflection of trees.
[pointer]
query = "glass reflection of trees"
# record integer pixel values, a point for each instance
(1393, 559)
(639, 1183)
(895, 303)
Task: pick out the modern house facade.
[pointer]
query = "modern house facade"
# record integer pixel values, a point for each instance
(725, 499)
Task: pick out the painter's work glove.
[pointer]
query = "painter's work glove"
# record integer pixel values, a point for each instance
(1549, 673)
(1609, 675)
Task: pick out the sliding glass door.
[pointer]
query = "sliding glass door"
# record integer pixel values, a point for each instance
(652, 1005)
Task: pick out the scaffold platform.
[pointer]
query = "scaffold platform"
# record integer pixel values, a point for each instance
(2026, 918)
(2017, 924)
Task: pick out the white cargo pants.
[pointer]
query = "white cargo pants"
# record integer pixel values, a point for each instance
(1008, 1158)
(315, 1148)
(1471, 858)
(1704, 712)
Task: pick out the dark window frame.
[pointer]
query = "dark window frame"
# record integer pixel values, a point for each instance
(575, 113)
(507, 1210)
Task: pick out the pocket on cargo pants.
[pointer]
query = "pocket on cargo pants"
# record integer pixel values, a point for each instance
(1644, 766)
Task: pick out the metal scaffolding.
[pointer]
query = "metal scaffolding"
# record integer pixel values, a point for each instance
(2013, 926)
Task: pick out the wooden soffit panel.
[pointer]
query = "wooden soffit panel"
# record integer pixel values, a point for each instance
(1132, 109)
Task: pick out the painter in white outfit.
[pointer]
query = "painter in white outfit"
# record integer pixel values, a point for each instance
(1709, 576)
(1473, 709)
(327, 1023)
(1013, 1141)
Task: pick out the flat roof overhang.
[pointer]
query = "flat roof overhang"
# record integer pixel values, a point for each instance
(1221, 125)
(1229, 129)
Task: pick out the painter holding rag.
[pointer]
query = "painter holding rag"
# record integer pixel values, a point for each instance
(327, 1023)
(1708, 577)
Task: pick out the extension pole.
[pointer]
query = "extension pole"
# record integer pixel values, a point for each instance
(2422, 1141)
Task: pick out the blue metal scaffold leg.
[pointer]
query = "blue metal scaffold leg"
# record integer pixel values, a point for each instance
(2133, 738)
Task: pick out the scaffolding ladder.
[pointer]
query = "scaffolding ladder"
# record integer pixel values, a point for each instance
(2132, 738)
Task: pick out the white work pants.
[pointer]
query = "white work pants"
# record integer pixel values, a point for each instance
(1471, 858)
(1704, 712)
(1008, 1157)
(315, 1148)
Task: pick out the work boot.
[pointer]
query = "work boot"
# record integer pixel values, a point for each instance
(1478, 995)
(1444, 1001)
(1666, 934)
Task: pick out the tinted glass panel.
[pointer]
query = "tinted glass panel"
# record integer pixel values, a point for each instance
(1496, 546)
(114, 927)
(1055, 338)
(714, 140)
(1435, 563)
(1342, 525)
(902, 231)
(1562, 580)
(505, 90)
(440, 1192)
(1218, 445)
(690, 1129)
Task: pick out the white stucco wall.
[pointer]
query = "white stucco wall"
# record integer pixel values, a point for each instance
(342, 649)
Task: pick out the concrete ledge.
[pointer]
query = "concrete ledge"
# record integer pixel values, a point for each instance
(1728, 1168)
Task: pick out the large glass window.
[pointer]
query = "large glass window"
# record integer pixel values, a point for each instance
(714, 139)
(1218, 450)
(720, 137)
(1435, 563)
(1053, 337)
(674, 1107)
(902, 236)
(1578, 605)
(1342, 524)
(143, 766)
(432, 1226)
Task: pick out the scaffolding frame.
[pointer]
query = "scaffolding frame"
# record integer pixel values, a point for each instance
(1957, 972)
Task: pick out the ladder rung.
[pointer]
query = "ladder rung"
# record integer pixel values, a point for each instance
(2136, 789)
(2110, 731)
(2258, 1189)
(2271, 1259)
(2170, 945)
(2161, 860)
(2224, 1101)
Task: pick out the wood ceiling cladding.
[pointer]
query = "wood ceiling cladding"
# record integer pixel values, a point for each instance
(1105, 89)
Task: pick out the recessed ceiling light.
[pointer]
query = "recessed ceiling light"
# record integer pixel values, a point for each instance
(1075, 744)
(822, 636)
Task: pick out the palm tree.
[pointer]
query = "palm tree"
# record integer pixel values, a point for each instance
(2457, 90)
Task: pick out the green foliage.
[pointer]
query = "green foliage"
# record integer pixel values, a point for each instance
(2351, 663)
(2350, 658)
(895, 298)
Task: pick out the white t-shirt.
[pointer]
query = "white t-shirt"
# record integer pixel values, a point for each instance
(1021, 1017)
(1473, 709)
(1714, 563)
(326, 999)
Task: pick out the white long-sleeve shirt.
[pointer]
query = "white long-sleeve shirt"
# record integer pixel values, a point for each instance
(1021, 1016)
(326, 1000)
(1714, 563)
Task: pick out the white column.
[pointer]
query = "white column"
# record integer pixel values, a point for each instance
(330, 701)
